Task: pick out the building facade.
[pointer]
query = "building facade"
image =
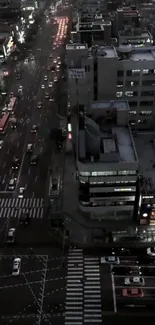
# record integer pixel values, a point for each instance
(108, 73)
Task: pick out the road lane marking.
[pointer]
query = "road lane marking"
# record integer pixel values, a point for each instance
(114, 293)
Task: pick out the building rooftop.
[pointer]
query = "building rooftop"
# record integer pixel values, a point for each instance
(145, 146)
(105, 51)
(106, 135)
(138, 33)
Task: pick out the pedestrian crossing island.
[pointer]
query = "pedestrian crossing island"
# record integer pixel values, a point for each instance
(13, 207)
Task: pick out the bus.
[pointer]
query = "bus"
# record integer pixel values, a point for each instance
(12, 103)
(3, 122)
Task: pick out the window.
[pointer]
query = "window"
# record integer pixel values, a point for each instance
(84, 173)
(132, 112)
(136, 72)
(120, 73)
(129, 93)
(147, 93)
(129, 73)
(132, 83)
(146, 103)
(119, 84)
(127, 172)
(145, 71)
(145, 113)
(119, 94)
(148, 83)
(132, 104)
(104, 173)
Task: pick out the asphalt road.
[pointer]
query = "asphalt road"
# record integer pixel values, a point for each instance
(33, 178)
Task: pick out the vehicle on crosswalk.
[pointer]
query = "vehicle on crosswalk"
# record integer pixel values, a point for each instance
(16, 266)
(134, 281)
(12, 184)
(11, 236)
(110, 260)
(24, 218)
(133, 292)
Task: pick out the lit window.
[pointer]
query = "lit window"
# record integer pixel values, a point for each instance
(146, 113)
(145, 71)
(129, 93)
(136, 72)
(120, 84)
(132, 112)
(119, 94)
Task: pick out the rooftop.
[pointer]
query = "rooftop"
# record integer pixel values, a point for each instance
(145, 146)
(138, 34)
(104, 51)
(106, 136)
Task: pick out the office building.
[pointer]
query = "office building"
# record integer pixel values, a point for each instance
(108, 73)
(107, 162)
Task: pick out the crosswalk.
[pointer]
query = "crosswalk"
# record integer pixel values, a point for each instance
(13, 207)
(83, 291)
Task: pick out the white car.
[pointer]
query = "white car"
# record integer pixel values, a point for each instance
(45, 78)
(51, 99)
(55, 61)
(12, 184)
(21, 192)
(20, 88)
(50, 84)
(4, 109)
(136, 281)
(151, 251)
(29, 147)
(110, 260)
(55, 79)
(16, 266)
(1, 144)
(11, 235)
(42, 86)
(26, 60)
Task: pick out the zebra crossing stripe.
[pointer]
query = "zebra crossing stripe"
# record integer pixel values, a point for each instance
(13, 208)
(21, 203)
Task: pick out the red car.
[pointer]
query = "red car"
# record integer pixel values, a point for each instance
(133, 292)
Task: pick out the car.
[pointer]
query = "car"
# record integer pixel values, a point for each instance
(39, 105)
(135, 270)
(34, 128)
(151, 251)
(4, 109)
(54, 187)
(59, 62)
(55, 61)
(26, 60)
(50, 84)
(16, 266)
(121, 270)
(21, 192)
(1, 144)
(57, 68)
(55, 79)
(20, 88)
(11, 236)
(119, 250)
(24, 218)
(11, 95)
(47, 95)
(51, 99)
(133, 292)
(51, 56)
(29, 148)
(45, 78)
(18, 77)
(16, 163)
(34, 160)
(42, 86)
(110, 260)
(12, 184)
(32, 57)
(136, 280)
